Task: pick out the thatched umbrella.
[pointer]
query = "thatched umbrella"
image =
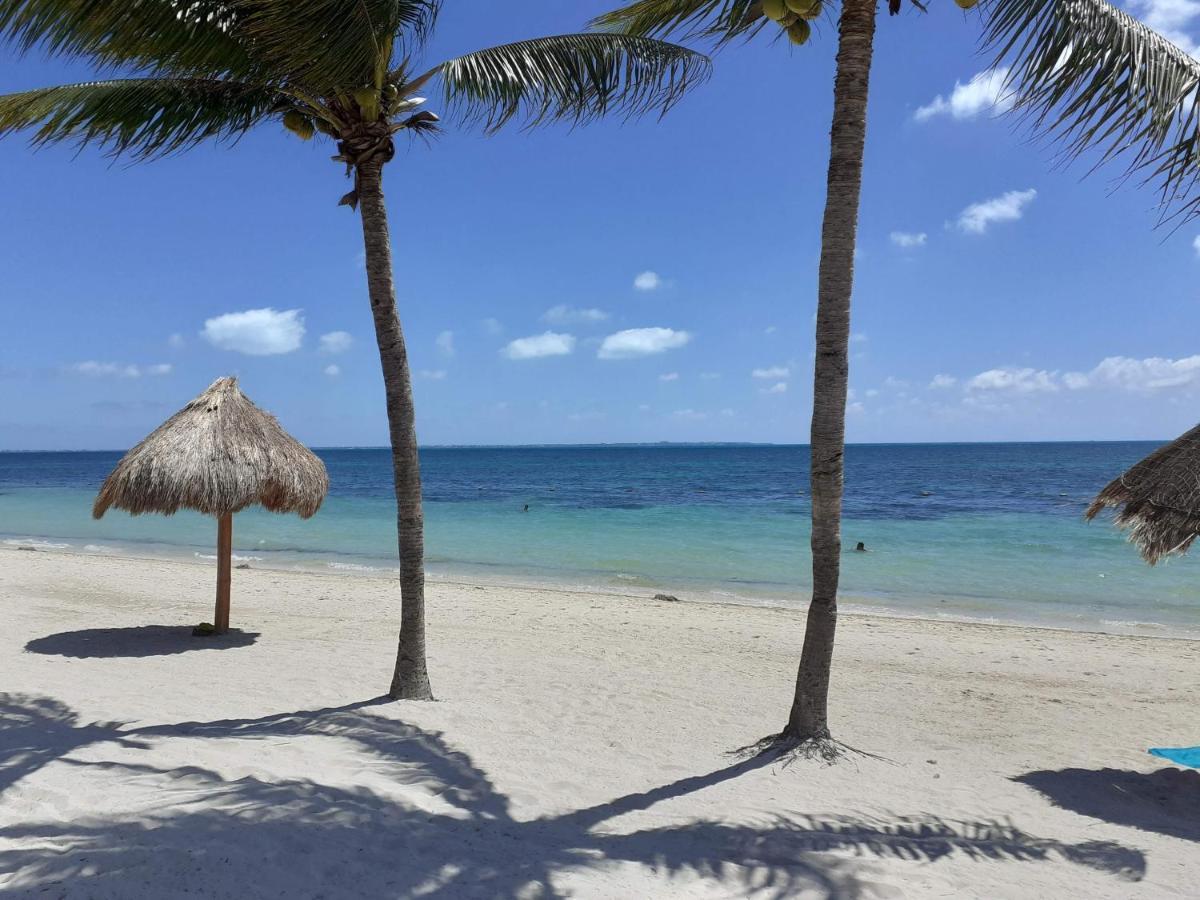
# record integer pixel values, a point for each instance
(1161, 498)
(217, 455)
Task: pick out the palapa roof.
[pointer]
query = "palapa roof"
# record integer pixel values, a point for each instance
(219, 454)
(1161, 498)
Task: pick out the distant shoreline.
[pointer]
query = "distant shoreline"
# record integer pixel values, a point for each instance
(678, 445)
(857, 606)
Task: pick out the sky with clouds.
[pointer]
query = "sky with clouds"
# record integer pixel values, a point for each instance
(641, 281)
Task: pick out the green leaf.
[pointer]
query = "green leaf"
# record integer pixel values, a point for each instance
(156, 35)
(330, 45)
(574, 77)
(144, 117)
(1087, 75)
(717, 20)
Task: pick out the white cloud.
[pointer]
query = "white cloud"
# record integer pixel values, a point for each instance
(908, 239)
(777, 388)
(1015, 380)
(1172, 19)
(1009, 207)
(728, 411)
(941, 382)
(770, 329)
(538, 345)
(1196, 244)
(1114, 372)
(93, 369)
(855, 409)
(433, 374)
(872, 392)
(641, 342)
(566, 315)
(256, 332)
(335, 342)
(691, 415)
(492, 326)
(1139, 375)
(647, 281)
(333, 370)
(857, 337)
(669, 376)
(772, 372)
(445, 343)
(983, 93)
(176, 341)
(709, 376)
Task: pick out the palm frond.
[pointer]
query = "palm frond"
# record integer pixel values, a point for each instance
(717, 20)
(331, 45)
(1090, 76)
(178, 36)
(574, 77)
(144, 117)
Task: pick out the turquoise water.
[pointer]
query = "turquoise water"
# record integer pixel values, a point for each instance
(987, 531)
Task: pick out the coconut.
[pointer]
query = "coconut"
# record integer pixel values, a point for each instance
(800, 32)
(298, 123)
(966, 4)
(814, 9)
(774, 10)
(799, 7)
(367, 99)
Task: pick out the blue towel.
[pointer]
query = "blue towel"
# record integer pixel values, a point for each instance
(1183, 756)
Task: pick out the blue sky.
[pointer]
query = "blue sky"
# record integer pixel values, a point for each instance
(641, 281)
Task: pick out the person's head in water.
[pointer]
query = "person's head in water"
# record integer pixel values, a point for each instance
(526, 509)
(861, 548)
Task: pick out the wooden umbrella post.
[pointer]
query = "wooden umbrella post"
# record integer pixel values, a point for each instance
(224, 561)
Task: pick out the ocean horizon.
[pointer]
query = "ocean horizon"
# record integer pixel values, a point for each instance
(973, 531)
(620, 444)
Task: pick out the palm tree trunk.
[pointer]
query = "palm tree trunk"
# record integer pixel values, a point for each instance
(410, 681)
(808, 719)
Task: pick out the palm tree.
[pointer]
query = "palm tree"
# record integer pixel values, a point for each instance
(1081, 70)
(199, 69)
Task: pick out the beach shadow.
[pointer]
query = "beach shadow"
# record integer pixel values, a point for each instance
(1166, 801)
(35, 731)
(138, 640)
(437, 826)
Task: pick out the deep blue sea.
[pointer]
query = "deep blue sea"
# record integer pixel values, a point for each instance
(977, 531)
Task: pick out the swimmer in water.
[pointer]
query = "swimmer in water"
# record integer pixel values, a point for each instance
(861, 548)
(526, 509)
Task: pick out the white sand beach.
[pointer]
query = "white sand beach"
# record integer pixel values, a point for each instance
(578, 748)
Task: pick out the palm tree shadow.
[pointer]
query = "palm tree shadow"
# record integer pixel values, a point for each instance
(1166, 801)
(135, 641)
(298, 835)
(36, 731)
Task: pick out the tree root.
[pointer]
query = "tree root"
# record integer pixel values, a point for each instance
(787, 748)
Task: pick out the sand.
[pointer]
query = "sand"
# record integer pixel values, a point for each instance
(578, 748)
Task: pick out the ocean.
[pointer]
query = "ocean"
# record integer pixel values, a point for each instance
(990, 532)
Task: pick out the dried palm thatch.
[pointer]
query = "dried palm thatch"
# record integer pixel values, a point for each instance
(1161, 499)
(217, 455)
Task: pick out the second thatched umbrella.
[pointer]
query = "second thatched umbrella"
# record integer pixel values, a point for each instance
(1160, 497)
(217, 455)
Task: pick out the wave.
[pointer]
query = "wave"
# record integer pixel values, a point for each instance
(356, 567)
